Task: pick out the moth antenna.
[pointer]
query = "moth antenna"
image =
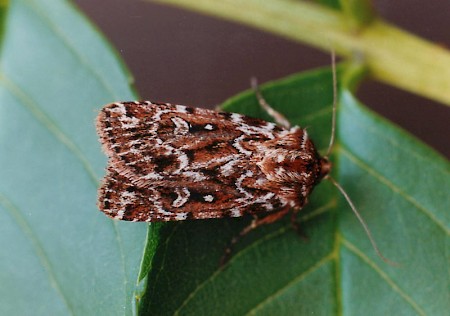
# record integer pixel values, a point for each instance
(363, 223)
(333, 120)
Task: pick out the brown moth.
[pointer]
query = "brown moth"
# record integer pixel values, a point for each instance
(174, 162)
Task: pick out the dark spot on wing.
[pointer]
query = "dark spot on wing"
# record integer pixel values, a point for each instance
(225, 115)
(253, 121)
(190, 154)
(131, 189)
(213, 146)
(194, 128)
(163, 162)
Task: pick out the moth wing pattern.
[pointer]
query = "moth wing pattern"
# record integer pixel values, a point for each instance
(173, 162)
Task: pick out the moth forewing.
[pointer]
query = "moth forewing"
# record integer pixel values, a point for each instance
(173, 162)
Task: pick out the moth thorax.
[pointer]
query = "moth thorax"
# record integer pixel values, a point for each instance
(325, 167)
(284, 165)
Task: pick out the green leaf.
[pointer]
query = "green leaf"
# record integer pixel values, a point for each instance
(400, 187)
(58, 254)
(3, 11)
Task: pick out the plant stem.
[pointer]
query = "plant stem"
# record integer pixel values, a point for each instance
(392, 56)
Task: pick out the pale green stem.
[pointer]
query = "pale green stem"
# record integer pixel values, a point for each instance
(392, 56)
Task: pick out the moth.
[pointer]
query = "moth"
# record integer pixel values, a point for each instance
(174, 162)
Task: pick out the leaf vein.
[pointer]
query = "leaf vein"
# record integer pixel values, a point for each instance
(83, 61)
(383, 275)
(297, 279)
(16, 214)
(317, 212)
(402, 147)
(54, 129)
(395, 189)
(48, 123)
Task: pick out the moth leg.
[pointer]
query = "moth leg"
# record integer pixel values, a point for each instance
(297, 226)
(256, 222)
(279, 118)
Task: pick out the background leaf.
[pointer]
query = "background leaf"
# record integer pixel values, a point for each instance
(58, 253)
(336, 271)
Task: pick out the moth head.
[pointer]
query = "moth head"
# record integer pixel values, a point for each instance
(325, 167)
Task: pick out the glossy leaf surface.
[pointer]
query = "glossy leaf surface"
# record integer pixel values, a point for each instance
(58, 254)
(400, 187)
